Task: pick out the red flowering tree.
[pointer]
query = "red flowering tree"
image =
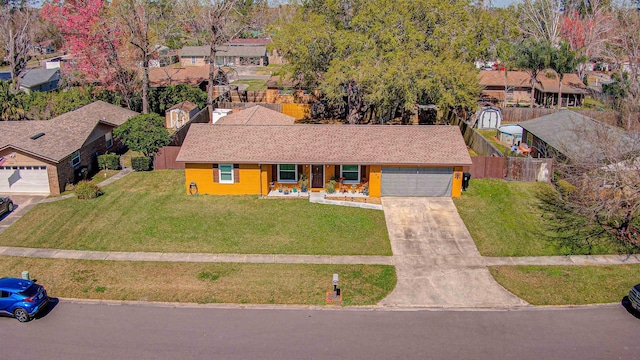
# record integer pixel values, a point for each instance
(95, 44)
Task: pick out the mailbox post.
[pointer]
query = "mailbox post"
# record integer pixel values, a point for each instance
(336, 290)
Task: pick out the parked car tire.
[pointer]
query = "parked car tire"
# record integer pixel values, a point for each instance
(10, 207)
(21, 315)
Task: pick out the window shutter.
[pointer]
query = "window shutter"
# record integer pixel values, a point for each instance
(363, 172)
(216, 173)
(300, 170)
(236, 174)
(274, 172)
(337, 172)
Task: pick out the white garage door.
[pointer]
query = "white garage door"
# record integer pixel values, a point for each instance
(24, 179)
(430, 182)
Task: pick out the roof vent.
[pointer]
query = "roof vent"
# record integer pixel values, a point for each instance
(36, 136)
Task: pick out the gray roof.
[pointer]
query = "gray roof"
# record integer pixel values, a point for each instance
(35, 77)
(63, 134)
(578, 136)
(436, 145)
(224, 50)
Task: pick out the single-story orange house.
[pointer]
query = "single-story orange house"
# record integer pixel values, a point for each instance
(387, 160)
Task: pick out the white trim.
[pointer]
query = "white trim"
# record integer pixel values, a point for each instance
(220, 174)
(74, 158)
(295, 180)
(350, 181)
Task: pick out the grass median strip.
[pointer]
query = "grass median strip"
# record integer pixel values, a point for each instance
(149, 211)
(568, 285)
(205, 283)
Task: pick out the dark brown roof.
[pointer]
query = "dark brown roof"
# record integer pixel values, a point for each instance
(257, 115)
(439, 145)
(498, 78)
(63, 134)
(571, 83)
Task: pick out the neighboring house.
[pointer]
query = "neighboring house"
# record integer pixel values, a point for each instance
(192, 75)
(43, 156)
(571, 135)
(514, 88)
(387, 160)
(505, 88)
(40, 80)
(226, 55)
(180, 114)
(256, 115)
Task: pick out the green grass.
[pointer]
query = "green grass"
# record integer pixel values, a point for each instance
(304, 284)
(490, 134)
(150, 211)
(509, 219)
(254, 84)
(568, 285)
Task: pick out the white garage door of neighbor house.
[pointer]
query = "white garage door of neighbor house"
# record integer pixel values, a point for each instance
(429, 182)
(24, 179)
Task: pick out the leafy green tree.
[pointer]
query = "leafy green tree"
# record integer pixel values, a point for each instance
(564, 61)
(11, 104)
(382, 56)
(163, 98)
(144, 133)
(533, 56)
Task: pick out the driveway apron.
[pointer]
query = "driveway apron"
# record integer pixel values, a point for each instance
(436, 260)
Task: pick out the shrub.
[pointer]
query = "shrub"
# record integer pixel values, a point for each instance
(331, 187)
(109, 162)
(141, 163)
(565, 187)
(87, 190)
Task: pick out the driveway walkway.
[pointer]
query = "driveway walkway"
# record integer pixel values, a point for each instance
(437, 262)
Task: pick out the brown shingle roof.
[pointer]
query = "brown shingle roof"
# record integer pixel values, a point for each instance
(497, 78)
(571, 83)
(439, 145)
(191, 75)
(63, 134)
(257, 115)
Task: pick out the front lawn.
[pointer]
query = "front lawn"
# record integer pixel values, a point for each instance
(150, 211)
(568, 285)
(507, 219)
(304, 284)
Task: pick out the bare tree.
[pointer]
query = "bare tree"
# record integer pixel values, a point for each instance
(540, 19)
(602, 179)
(15, 36)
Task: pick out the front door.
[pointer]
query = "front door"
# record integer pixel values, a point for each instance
(317, 176)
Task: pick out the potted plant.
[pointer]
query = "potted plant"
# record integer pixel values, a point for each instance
(303, 183)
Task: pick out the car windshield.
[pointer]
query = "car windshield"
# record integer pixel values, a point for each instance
(30, 291)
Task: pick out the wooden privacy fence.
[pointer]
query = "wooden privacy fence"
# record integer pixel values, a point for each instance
(511, 168)
(298, 111)
(166, 156)
(474, 139)
(513, 115)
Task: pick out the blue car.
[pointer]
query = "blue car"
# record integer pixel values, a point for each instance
(21, 298)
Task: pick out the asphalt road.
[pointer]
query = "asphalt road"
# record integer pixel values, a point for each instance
(98, 331)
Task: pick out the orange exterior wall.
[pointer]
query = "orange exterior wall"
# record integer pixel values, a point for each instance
(202, 175)
(456, 187)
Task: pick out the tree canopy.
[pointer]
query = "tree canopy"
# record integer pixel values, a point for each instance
(144, 133)
(381, 56)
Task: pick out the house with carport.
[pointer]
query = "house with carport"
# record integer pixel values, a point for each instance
(245, 159)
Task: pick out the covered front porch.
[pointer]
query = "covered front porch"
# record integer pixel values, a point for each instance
(294, 180)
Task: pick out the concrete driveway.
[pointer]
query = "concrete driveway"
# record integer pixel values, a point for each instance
(23, 203)
(437, 262)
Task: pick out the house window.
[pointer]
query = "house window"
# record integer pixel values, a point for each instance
(193, 60)
(287, 173)
(350, 173)
(226, 173)
(75, 158)
(108, 138)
